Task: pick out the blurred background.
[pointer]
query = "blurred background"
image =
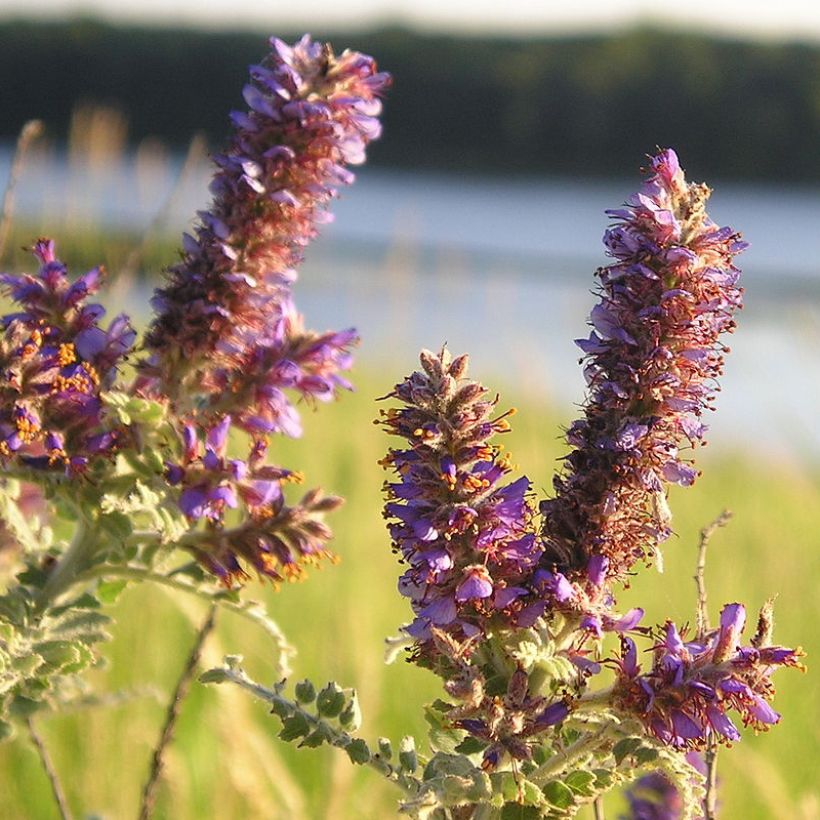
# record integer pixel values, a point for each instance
(477, 221)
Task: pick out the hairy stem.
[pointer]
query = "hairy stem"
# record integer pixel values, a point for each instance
(67, 570)
(48, 768)
(336, 737)
(572, 755)
(700, 570)
(710, 800)
(149, 793)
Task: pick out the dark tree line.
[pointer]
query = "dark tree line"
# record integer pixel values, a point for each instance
(587, 105)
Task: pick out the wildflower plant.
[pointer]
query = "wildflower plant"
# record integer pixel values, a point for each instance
(149, 460)
(514, 602)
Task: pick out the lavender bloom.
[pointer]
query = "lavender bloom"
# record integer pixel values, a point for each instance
(56, 360)
(275, 539)
(651, 363)
(465, 534)
(692, 686)
(226, 326)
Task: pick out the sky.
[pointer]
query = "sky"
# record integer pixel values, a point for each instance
(785, 19)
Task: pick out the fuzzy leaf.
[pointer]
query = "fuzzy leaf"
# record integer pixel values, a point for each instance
(57, 654)
(646, 754)
(305, 691)
(117, 524)
(357, 751)
(407, 754)
(294, 727)
(330, 700)
(517, 811)
(217, 675)
(351, 716)
(559, 794)
(109, 591)
(581, 782)
(321, 734)
(625, 747)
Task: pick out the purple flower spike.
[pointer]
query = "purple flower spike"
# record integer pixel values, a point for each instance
(464, 533)
(226, 329)
(651, 363)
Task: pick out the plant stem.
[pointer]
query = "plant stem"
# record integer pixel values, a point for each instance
(336, 737)
(149, 793)
(700, 581)
(68, 567)
(51, 772)
(246, 610)
(710, 801)
(598, 808)
(572, 754)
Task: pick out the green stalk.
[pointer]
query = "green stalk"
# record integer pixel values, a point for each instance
(69, 565)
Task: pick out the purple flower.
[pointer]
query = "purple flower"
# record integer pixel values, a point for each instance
(686, 697)
(56, 361)
(226, 329)
(465, 534)
(651, 363)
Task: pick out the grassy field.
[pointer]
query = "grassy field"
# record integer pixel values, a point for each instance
(226, 761)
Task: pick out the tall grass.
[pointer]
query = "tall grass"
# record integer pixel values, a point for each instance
(226, 761)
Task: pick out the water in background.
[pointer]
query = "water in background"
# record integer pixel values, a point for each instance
(501, 269)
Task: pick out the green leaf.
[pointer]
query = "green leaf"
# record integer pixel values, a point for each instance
(321, 734)
(646, 754)
(294, 727)
(109, 591)
(33, 577)
(603, 779)
(471, 745)
(517, 811)
(86, 601)
(217, 675)
(443, 736)
(117, 524)
(504, 784)
(559, 794)
(407, 754)
(305, 691)
(581, 782)
(351, 716)
(357, 751)
(624, 748)
(26, 665)
(57, 654)
(331, 700)
(23, 707)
